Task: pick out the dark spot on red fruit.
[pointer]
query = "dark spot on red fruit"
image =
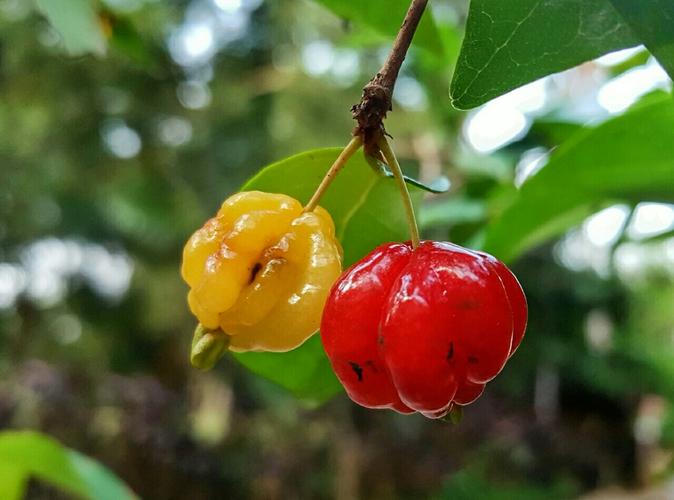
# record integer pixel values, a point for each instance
(356, 368)
(254, 271)
(450, 353)
(380, 339)
(472, 360)
(372, 366)
(469, 304)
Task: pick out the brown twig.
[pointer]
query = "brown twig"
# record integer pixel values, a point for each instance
(376, 100)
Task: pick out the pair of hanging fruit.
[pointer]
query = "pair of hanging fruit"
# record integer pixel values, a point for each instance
(419, 326)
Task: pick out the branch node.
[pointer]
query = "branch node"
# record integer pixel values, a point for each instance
(376, 100)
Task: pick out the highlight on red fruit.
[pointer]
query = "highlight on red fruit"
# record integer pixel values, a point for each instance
(421, 330)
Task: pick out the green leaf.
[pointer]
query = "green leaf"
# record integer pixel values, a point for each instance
(653, 22)
(385, 17)
(27, 453)
(367, 211)
(99, 482)
(305, 371)
(508, 44)
(356, 199)
(628, 158)
(553, 132)
(638, 59)
(77, 22)
(126, 39)
(13, 481)
(452, 211)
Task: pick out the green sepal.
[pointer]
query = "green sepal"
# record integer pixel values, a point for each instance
(208, 346)
(453, 416)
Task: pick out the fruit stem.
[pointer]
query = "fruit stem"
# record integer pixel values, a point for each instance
(350, 149)
(397, 172)
(375, 102)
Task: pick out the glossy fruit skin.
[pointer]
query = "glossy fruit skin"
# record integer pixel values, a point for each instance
(261, 270)
(422, 330)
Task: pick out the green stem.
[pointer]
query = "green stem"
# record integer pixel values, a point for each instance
(350, 149)
(393, 164)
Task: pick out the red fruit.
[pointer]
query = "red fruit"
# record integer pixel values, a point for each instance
(421, 330)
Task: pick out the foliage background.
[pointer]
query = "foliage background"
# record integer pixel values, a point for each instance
(113, 151)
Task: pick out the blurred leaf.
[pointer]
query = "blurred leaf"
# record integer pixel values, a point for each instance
(125, 6)
(653, 22)
(647, 339)
(13, 481)
(149, 209)
(553, 132)
(78, 23)
(452, 211)
(668, 428)
(653, 239)
(126, 39)
(472, 483)
(367, 212)
(508, 44)
(638, 59)
(626, 158)
(305, 371)
(100, 483)
(30, 453)
(386, 16)
(451, 38)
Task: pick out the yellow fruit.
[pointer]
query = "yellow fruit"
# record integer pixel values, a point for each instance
(261, 271)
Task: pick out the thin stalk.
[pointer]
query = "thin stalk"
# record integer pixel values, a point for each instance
(393, 164)
(350, 149)
(388, 74)
(375, 102)
(371, 110)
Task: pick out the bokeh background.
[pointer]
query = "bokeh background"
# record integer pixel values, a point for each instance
(108, 162)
